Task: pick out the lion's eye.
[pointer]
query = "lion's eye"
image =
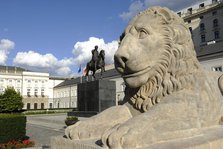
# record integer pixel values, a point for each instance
(142, 33)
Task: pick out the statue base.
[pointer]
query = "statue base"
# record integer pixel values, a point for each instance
(96, 96)
(211, 138)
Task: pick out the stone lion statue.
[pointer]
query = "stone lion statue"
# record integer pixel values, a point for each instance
(168, 94)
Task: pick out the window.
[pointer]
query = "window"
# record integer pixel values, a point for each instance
(18, 90)
(51, 105)
(201, 5)
(179, 13)
(36, 83)
(189, 21)
(214, 13)
(202, 27)
(42, 92)
(36, 92)
(203, 38)
(218, 68)
(215, 23)
(189, 10)
(201, 17)
(28, 106)
(28, 92)
(35, 105)
(10, 82)
(42, 105)
(43, 83)
(216, 35)
(18, 84)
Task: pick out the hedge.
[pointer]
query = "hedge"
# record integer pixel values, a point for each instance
(12, 127)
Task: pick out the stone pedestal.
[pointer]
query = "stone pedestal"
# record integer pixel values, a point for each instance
(96, 95)
(211, 138)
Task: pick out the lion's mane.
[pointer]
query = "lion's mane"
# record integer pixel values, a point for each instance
(177, 66)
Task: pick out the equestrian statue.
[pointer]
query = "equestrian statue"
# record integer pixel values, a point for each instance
(97, 62)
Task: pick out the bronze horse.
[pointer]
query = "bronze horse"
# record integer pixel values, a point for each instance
(100, 64)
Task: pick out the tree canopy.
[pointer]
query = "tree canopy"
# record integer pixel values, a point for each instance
(10, 101)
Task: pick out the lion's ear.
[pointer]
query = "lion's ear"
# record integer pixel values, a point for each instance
(165, 14)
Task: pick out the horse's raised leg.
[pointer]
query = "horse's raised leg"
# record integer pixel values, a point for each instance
(93, 75)
(101, 72)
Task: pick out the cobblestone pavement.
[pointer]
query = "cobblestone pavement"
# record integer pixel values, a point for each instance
(40, 128)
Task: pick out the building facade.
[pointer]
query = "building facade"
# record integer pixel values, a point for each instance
(205, 21)
(35, 87)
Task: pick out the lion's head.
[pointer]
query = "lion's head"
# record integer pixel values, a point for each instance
(156, 56)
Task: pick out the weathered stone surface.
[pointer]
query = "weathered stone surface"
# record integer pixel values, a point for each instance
(63, 143)
(211, 138)
(168, 94)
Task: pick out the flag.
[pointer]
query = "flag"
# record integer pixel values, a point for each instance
(85, 71)
(79, 70)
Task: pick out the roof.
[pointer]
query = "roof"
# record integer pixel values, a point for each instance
(12, 69)
(68, 82)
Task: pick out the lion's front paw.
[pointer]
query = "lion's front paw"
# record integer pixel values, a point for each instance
(119, 137)
(82, 130)
(74, 132)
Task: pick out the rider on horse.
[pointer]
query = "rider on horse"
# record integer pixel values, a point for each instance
(97, 62)
(95, 56)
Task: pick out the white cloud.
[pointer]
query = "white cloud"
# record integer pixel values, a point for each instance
(5, 47)
(81, 55)
(134, 8)
(174, 5)
(43, 63)
(82, 50)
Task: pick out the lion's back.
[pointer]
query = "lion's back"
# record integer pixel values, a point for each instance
(209, 86)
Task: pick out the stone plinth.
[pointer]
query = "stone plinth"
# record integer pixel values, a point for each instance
(63, 143)
(96, 95)
(211, 138)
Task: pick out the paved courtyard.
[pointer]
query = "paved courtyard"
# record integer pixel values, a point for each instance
(40, 128)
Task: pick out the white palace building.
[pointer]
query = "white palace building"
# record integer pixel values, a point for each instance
(35, 87)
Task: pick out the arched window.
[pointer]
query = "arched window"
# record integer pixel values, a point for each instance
(202, 27)
(216, 35)
(42, 105)
(215, 22)
(203, 38)
(35, 106)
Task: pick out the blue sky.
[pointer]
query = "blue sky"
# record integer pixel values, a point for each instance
(56, 36)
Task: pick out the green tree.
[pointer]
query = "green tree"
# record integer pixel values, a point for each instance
(10, 101)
